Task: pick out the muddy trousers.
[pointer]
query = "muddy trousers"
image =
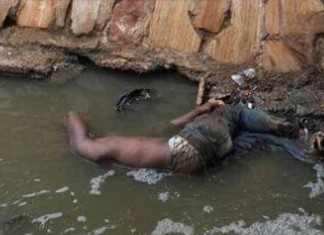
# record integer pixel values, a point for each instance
(257, 121)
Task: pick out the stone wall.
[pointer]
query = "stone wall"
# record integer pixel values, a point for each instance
(194, 36)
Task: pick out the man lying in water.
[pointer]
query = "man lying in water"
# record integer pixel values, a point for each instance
(211, 132)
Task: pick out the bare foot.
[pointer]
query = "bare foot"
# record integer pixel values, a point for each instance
(78, 138)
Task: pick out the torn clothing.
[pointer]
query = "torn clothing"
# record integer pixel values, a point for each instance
(207, 140)
(185, 158)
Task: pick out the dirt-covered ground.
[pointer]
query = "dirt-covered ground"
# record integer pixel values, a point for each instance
(290, 95)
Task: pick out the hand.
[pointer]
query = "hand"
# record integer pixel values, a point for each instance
(210, 105)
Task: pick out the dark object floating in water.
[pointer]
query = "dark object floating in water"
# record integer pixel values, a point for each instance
(133, 96)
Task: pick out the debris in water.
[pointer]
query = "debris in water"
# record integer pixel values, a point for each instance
(284, 224)
(37, 180)
(208, 209)
(45, 218)
(4, 205)
(167, 226)
(149, 176)
(130, 97)
(62, 190)
(317, 188)
(97, 181)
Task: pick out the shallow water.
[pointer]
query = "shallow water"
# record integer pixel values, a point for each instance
(45, 188)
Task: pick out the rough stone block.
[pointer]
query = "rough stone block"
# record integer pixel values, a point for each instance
(84, 15)
(171, 27)
(291, 18)
(272, 18)
(125, 18)
(278, 57)
(61, 9)
(36, 13)
(104, 13)
(209, 15)
(240, 41)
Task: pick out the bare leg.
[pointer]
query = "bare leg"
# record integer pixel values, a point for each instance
(128, 151)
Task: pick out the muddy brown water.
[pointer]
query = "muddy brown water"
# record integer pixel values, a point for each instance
(46, 189)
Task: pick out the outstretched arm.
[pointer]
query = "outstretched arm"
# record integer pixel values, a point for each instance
(200, 110)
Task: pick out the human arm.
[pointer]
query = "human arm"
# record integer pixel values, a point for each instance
(198, 111)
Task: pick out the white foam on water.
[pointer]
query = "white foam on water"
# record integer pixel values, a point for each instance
(265, 217)
(317, 188)
(167, 226)
(34, 194)
(148, 176)
(22, 204)
(71, 229)
(82, 219)
(164, 196)
(62, 190)
(102, 230)
(208, 209)
(98, 231)
(37, 180)
(98, 181)
(284, 224)
(45, 218)
(16, 202)
(4, 205)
